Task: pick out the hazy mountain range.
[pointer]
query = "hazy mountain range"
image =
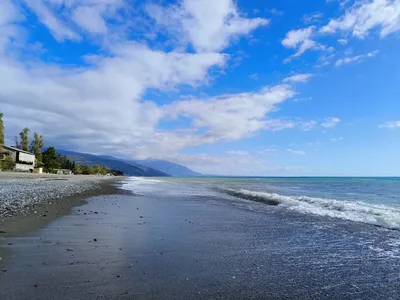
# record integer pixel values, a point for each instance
(148, 167)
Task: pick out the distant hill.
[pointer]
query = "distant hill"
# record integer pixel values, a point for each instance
(129, 169)
(168, 167)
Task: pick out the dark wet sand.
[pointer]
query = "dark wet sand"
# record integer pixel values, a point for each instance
(191, 248)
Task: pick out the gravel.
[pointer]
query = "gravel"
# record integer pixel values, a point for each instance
(17, 196)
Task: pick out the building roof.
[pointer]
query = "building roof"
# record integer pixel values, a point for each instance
(17, 150)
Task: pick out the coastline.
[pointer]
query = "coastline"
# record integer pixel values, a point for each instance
(65, 192)
(168, 241)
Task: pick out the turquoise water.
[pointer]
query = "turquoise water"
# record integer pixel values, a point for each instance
(378, 190)
(369, 200)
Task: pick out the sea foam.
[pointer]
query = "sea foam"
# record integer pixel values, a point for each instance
(358, 211)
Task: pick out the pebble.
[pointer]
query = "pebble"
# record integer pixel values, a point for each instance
(18, 196)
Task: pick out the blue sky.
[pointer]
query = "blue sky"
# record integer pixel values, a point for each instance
(284, 87)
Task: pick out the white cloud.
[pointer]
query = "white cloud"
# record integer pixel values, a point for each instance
(269, 150)
(99, 107)
(254, 76)
(276, 12)
(390, 125)
(90, 19)
(359, 20)
(312, 18)
(8, 16)
(192, 21)
(355, 59)
(234, 116)
(300, 39)
(8, 12)
(238, 153)
(58, 28)
(336, 139)
(330, 122)
(367, 15)
(298, 78)
(231, 164)
(297, 152)
(307, 126)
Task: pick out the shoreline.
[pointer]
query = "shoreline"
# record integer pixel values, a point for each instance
(157, 244)
(35, 215)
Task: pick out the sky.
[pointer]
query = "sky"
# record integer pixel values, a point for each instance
(245, 87)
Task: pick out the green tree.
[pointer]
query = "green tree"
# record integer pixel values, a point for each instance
(1, 132)
(24, 135)
(77, 170)
(51, 160)
(86, 170)
(8, 163)
(36, 147)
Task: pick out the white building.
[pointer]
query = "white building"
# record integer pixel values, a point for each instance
(24, 160)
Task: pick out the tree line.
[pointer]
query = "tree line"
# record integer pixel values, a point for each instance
(48, 159)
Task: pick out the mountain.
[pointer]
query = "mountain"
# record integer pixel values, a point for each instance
(168, 167)
(129, 169)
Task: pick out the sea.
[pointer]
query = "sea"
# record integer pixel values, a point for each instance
(369, 200)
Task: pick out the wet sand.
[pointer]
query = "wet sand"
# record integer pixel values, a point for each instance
(142, 247)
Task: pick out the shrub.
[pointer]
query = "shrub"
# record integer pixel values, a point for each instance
(8, 163)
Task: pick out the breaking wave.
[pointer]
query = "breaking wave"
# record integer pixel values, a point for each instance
(357, 211)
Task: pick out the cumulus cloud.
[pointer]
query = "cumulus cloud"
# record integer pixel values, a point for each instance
(193, 22)
(90, 19)
(99, 107)
(234, 116)
(355, 59)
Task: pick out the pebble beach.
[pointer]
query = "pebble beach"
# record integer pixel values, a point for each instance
(30, 201)
(18, 196)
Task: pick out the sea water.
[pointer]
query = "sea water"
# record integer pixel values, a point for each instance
(374, 201)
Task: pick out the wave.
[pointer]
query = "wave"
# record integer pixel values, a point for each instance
(143, 180)
(357, 211)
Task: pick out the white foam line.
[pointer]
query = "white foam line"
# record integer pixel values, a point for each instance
(358, 211)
